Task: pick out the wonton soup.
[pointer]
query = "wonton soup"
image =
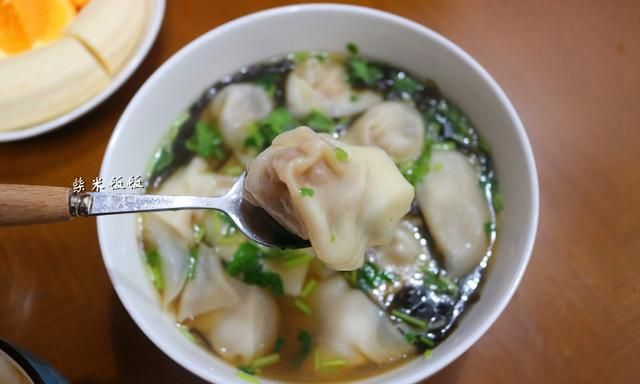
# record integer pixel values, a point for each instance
(338, 313)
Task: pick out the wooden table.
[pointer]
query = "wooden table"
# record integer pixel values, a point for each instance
(572, 70)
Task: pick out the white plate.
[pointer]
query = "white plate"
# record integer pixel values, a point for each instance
(154, 22)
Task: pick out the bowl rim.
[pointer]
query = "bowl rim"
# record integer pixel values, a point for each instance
(485, 323)
(153, 24)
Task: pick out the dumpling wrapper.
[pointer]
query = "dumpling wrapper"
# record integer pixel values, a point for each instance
(243, 332)
(394, 126)
(356, 202)
(193, 180)
(403, 250)
(235, 108)
(354, 328)
(323, 86)
(174, 256)
(209, 289)
(455, 209)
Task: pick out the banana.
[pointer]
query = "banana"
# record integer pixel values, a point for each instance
(111, 29)
(43, 83)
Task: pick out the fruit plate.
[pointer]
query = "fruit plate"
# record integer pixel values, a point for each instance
(153, 23)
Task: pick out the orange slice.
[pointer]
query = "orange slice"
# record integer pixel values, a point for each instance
(13, 38)
(26, 22)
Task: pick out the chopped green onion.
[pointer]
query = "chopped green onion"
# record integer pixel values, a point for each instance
(444, 146)
(354, 98)
(427, 353)
(187, 333)
(403, 83)
(341, 154)
(335, 363)
(248, 377)
(308, 288)
(265, 361)
(440, 283)
(352, 48)
(426, 341)
(154, 264)
(316, 359)
(436, 167)
(294, 259)
(307, 192)
(192, 263)
(303, 307)
(421, 324)
(333, 237)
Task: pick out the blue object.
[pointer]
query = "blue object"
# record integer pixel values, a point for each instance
(38, 371)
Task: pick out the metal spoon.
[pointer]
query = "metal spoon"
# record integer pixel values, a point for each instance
(26, 204)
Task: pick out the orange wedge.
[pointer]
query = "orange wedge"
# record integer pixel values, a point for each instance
(26, 22)
(13, 38)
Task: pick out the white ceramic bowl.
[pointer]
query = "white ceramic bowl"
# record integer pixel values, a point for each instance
(177, 83)
(154, 21)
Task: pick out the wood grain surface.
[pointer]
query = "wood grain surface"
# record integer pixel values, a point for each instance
(572, 70)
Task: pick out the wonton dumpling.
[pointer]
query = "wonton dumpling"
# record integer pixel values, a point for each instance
(322, 86)
(403, 249)
(292, 277)
(242, 332)
(235, 108)
(356, 202)
(174, 256)
(193, 180)
(354, 328)
(394, 126)
(456, 211)
(210, 288)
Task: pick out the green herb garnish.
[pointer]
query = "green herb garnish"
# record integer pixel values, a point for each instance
(354, 98)
(206, 141)
(306, 192)
(303, 307)
(415, 170)
(369, 276)
(427, 353)
(246, 376)
(308, 288)
(403, 83)
(352, 48)
(162, 159)
(361, 71)
(262, 132)
(305, 340)
(300, 56)
(414, 321)
(489, 227)
(192, 264)
(444, 146)
(277, 346)
(439, 283)
(269, 82)
(320, 122)
(154, 265)
(341, 154)
(246, 263)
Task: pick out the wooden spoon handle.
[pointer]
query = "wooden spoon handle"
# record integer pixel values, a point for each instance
(33, 204)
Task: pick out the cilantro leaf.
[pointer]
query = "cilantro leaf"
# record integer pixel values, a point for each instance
(320, 122)
(246, 264)
(362, 71)
(369, 276)
(264, 131)
(206, 141)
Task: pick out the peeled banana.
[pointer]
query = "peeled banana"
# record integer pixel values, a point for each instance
(110, 28)
(46, 82)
